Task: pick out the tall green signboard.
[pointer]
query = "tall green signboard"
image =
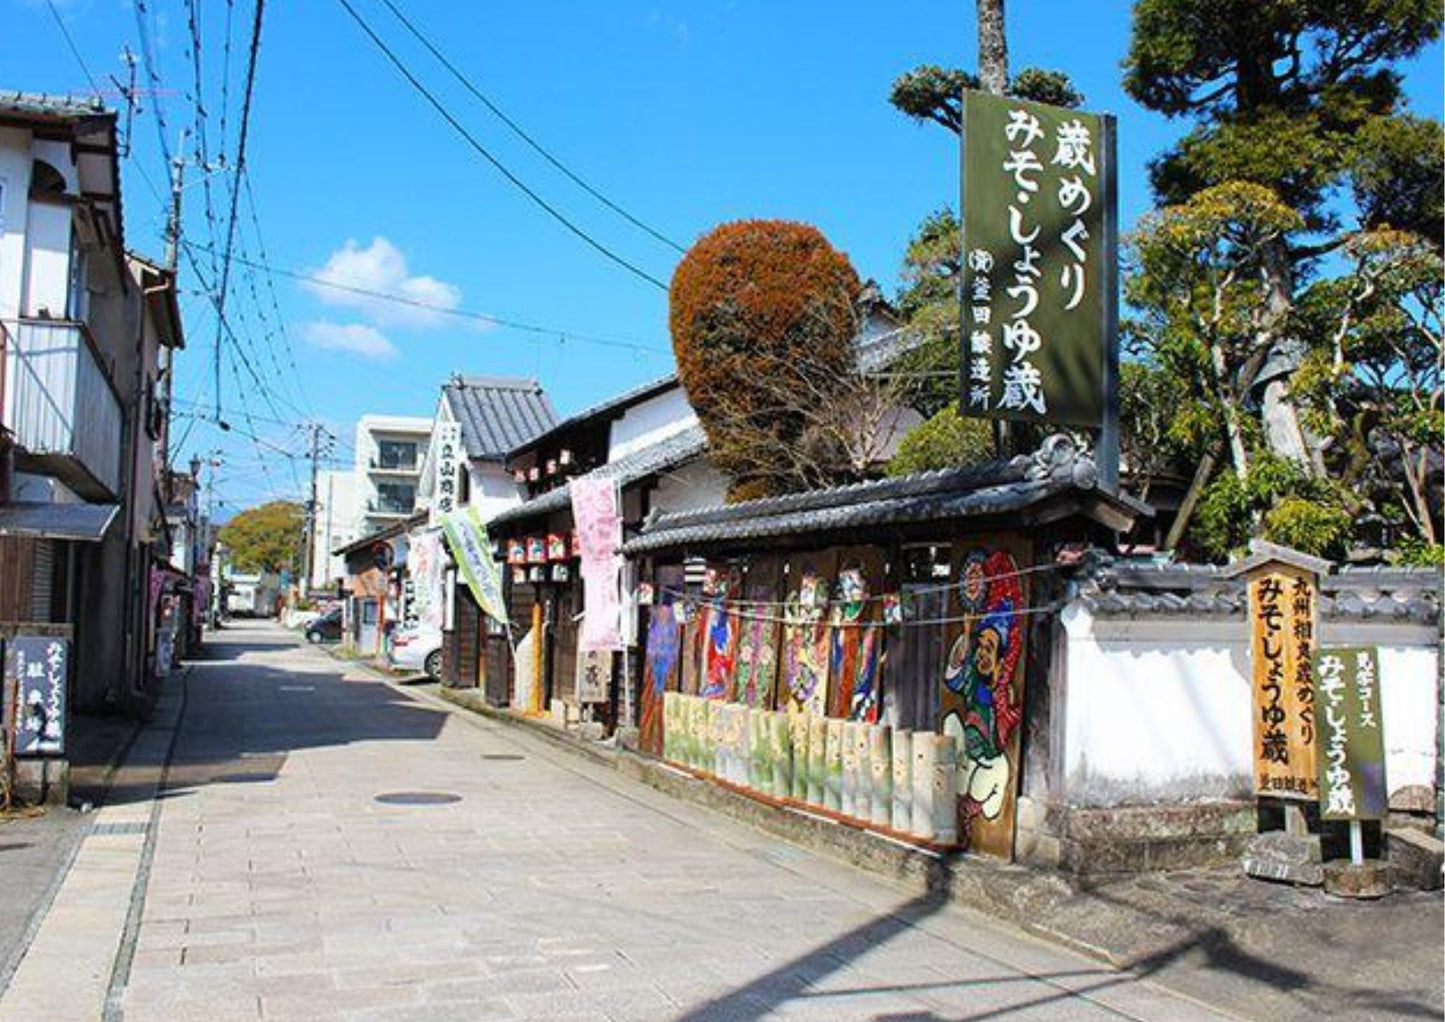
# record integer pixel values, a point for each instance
(1040, 306)
(1351, 741)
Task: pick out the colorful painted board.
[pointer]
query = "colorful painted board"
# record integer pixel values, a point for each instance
(982, 691)
(720, 628)
(659, 670)
(856, 646)
(759, 633)
(806, 644)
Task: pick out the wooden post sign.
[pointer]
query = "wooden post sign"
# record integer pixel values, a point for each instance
(1284, 622)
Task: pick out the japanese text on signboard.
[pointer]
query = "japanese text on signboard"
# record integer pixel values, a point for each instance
(1036, 264)
(1282, 611)
(1352, 745)
(37, 669)
(449, 467)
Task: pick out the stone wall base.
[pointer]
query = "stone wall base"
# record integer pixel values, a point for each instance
(1133, 839)
(42, 781)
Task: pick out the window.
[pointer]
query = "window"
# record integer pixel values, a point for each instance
(395, 498)
(396, 454)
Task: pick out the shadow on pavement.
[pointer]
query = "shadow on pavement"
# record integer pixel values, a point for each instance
(242, 719)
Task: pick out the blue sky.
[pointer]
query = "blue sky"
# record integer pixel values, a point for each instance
(685, 114)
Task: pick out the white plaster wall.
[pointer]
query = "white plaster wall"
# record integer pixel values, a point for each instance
(335, 524)
(14, 180)
(491, 489)
(690, 487)
(47, 254)
(1160, 709)
(652, 420)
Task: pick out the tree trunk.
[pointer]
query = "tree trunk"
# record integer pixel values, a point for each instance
(1191, 497)
(992, 47)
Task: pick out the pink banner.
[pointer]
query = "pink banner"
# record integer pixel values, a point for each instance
(599, 532)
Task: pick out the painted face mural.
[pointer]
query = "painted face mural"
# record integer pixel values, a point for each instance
(986, 707)
(805, 648)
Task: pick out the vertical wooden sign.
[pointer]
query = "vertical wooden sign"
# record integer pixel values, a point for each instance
(1283, 620)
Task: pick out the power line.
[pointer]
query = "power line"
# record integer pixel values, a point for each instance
(148, 59)
(482, 150)
(517, 129)
(74, 51)
(480, 317)
(235, 187)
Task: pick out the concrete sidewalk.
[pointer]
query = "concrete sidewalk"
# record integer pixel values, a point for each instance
(1257, 949)
(296, 839)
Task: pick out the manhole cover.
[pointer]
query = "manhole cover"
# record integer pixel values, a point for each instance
(417, 798)
(508, 756)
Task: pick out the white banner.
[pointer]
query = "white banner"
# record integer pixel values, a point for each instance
(450, 466)
(427, 566)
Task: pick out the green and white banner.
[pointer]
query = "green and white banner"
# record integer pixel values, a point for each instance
(467, 537)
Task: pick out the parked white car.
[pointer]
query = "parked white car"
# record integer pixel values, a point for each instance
(417, 649)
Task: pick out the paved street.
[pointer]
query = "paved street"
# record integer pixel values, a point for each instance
(529, 884)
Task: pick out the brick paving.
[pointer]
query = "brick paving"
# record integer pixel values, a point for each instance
(549, 889)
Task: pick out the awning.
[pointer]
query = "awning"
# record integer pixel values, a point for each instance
(85, 523)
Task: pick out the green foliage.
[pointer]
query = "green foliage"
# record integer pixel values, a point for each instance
(1313, 528)
(763, 318)
(265, 538)
(1161, 425)
(1415, 552)
(1282, 90)
(932, 93)
(1274, 498)
(1399, 175)
(947, 440)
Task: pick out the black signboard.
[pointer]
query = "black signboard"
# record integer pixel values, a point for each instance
(36, 668)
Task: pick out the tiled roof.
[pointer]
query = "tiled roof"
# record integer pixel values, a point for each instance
(498, 413)
(1131, 590)
(1000, 487)
(666, 454)
(41, 106)
(610, 408)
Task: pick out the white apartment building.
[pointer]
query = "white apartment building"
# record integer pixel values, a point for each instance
(390, 450)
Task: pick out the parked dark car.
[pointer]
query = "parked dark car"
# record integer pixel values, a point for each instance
(326, 628)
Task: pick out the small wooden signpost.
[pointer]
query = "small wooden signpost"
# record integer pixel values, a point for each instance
(1283, 587)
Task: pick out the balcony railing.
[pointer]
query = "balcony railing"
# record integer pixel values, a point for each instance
(61, 407)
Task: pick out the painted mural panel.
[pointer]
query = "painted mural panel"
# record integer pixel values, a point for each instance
(759, 633)
(806, 646)
(720, 628)
(982, 691)
(659, 669)
(856, 648)
(690, 617)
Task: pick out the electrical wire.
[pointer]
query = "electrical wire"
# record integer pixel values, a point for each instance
(235, 188)
(471, 139)
(74, 51)
(480, 317)
(522, 134)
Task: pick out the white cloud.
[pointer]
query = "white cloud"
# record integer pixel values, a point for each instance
(381, 267)
(356, 338)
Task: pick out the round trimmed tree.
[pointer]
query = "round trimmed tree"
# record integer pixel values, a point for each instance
(763, 318)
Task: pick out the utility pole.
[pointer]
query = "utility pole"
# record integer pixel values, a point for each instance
(173, 255)
(316, 430)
